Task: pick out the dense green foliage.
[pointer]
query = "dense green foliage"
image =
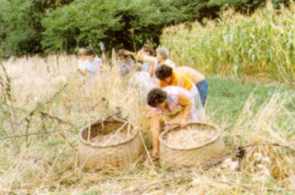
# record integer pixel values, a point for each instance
(260, 45)
(85, 23)
(37, 26)
(20, 24)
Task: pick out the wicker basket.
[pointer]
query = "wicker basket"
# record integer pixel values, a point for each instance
(199, 155)
(119, 155)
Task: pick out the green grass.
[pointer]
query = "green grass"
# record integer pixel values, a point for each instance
(227, 97)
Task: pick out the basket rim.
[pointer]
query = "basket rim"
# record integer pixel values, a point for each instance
(128, 140)
(210, 141)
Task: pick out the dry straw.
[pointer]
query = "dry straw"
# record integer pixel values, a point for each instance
(180, 152)
(48, 163)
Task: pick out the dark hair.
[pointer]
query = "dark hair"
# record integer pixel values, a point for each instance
(156, 96)
(86, 52)
(148, 48)
(164, 72)
(122, 53)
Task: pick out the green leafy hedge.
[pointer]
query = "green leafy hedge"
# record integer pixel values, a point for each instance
(20, 25)
(37, 26)
(127, 22)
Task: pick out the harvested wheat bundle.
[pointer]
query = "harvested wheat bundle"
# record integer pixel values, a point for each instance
(104, 140)
(194, 145)
(109, 143)
(190, 137)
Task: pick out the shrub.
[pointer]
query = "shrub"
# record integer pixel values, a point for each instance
(16, 33)
(67, 24)
(20, 25)
(127, 22)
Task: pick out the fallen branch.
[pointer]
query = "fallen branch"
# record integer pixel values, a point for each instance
(45, 114)
(39, 105)
(33, 134)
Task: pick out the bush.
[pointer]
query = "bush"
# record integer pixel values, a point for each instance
(16, 32)
(127, 22)
(20, 25)
(262, 44)
(67, 24)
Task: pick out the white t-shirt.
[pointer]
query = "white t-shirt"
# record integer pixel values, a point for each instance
(148, 61)
(173, 93)
(92, 66)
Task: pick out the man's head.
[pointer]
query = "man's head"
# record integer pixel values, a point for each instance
(162, 54)
(122, 54)
(164, 73)
(148, 49)
(85, 52)
(156, 97)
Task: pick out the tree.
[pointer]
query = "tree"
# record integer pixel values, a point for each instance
(20, 24)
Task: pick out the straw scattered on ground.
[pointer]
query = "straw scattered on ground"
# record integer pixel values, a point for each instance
(41, 118)
(189, 137)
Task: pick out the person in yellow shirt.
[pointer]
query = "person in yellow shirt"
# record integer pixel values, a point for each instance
(198, 79)
(185, 77)
(168, 76)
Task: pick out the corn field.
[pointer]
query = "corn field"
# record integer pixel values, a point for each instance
(261, 45)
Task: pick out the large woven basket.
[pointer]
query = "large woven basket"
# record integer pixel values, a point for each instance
(199, 155)
(119, 155)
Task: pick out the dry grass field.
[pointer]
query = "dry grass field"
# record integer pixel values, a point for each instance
(44, 102)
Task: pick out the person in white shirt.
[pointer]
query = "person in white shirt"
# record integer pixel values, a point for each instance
(172, 105)
(125, 62)
(89, 63)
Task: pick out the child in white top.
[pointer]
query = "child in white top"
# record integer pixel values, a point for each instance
(173, 105)
(89, 63)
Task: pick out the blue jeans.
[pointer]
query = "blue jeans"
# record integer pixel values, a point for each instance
(203, 90)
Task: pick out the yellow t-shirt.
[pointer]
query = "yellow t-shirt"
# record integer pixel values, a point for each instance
(180, 80)
(194, 75)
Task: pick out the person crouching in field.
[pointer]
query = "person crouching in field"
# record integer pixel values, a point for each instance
(89, 63)
(169, 77)
(198, 79)
(172, 105)
(173, 77)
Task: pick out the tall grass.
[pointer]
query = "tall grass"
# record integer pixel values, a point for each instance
(47, 163)
(260, 45)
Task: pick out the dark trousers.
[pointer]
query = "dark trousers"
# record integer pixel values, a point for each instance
(203, 90)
